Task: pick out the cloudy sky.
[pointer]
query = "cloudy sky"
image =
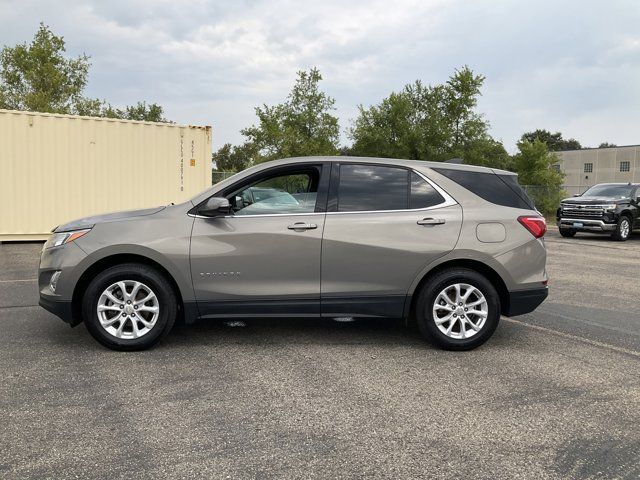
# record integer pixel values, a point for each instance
(565, 65)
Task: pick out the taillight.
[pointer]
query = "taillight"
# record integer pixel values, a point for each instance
(536, 225)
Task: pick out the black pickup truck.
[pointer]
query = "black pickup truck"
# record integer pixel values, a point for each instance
(611, 208)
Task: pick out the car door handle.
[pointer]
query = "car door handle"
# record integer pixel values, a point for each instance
(432, 221)
(302, 226)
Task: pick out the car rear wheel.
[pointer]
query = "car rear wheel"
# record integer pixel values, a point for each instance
(458, 309)
(129, 307)
(565, 232)
(623, 229)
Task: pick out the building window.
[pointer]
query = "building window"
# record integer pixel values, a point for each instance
(588, 167)
(556, 167)
(625, 166)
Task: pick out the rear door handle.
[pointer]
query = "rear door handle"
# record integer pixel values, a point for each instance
(432, 221)
(302, 226)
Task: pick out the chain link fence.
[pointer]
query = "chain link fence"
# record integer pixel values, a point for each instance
(219, 176)
(547, 199)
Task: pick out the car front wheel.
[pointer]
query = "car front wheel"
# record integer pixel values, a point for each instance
(458, 309)
(623, 229)
(129, 307)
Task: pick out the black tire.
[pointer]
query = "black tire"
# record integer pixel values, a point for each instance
(427, 297)
(565, 232)
(168, 305)
(619, 233)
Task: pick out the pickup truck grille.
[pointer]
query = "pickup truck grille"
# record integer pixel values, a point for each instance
(583, 211)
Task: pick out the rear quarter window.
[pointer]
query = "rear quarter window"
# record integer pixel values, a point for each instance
(498, 189)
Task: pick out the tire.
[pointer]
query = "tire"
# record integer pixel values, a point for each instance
(565, 232)
(153, 318)
(623, 229)
(455, 340)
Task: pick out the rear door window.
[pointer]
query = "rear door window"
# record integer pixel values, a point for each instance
(372, 187)
(423, 195)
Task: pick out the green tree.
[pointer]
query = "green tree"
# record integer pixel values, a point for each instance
(39, 77)
(555, 142)
(229, 158)
(607, 145)
(533, 163)
(302, 125)
(430, 123)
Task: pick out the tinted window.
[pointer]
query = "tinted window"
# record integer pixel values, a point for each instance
(499, 189)
(287, 193)
(423, 195)
(615, 191)
(369, 187)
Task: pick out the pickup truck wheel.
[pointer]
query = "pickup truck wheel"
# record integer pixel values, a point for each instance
(458, 309)
(623, 229)
(129, 307)
(566, 232)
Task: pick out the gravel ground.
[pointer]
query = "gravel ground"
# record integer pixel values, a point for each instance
(554, 394)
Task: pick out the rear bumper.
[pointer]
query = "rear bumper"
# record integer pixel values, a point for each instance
(588, 225)
(525, 301)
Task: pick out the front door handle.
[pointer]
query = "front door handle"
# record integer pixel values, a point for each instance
(432, 221)
(302, 226)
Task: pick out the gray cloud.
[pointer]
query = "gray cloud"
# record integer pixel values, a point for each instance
(572, 66)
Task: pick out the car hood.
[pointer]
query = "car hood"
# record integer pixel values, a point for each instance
(594, 200)
(88, 222)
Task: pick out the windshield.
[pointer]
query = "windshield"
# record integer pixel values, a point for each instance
(614, 191)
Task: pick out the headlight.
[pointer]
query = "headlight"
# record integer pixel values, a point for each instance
(610, 208)
(62, 238)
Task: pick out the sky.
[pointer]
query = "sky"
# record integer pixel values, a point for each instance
(564, 65)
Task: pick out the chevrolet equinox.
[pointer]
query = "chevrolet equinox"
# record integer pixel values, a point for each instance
(450, 247)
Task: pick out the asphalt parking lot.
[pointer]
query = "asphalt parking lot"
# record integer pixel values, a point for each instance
(554, 394)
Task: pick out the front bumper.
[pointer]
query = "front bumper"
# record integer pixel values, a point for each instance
(525, 301)
(60, 308)
(64, 259)
(589, 225)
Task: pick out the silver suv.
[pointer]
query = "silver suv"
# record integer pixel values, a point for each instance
(451, 247)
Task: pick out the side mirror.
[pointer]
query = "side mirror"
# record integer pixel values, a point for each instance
(577, 194)
(215, 207)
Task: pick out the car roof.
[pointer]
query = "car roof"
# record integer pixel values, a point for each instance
(392, 161)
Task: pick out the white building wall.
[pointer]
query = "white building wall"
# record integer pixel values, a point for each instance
(606, 166)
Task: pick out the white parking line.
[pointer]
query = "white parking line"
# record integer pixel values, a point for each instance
(20, 280)
(575, 337)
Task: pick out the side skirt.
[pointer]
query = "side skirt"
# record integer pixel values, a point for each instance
(387, 306)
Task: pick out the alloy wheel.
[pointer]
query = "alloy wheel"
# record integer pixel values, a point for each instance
(128, 309)
(460, 311)
(624, 228)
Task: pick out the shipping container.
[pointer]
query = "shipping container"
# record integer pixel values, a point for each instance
(55, 168)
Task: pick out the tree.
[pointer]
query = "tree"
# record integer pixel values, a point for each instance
(607, 145)
(39, 77)
(231, 158)
(430, 123)
(533, 163)
(302, 125)
(555, 142)
(141, 111)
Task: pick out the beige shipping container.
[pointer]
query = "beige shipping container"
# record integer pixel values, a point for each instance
(55, 168)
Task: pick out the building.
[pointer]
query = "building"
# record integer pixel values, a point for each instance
(589, 166)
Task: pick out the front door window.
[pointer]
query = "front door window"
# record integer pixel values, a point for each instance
(283, 194)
